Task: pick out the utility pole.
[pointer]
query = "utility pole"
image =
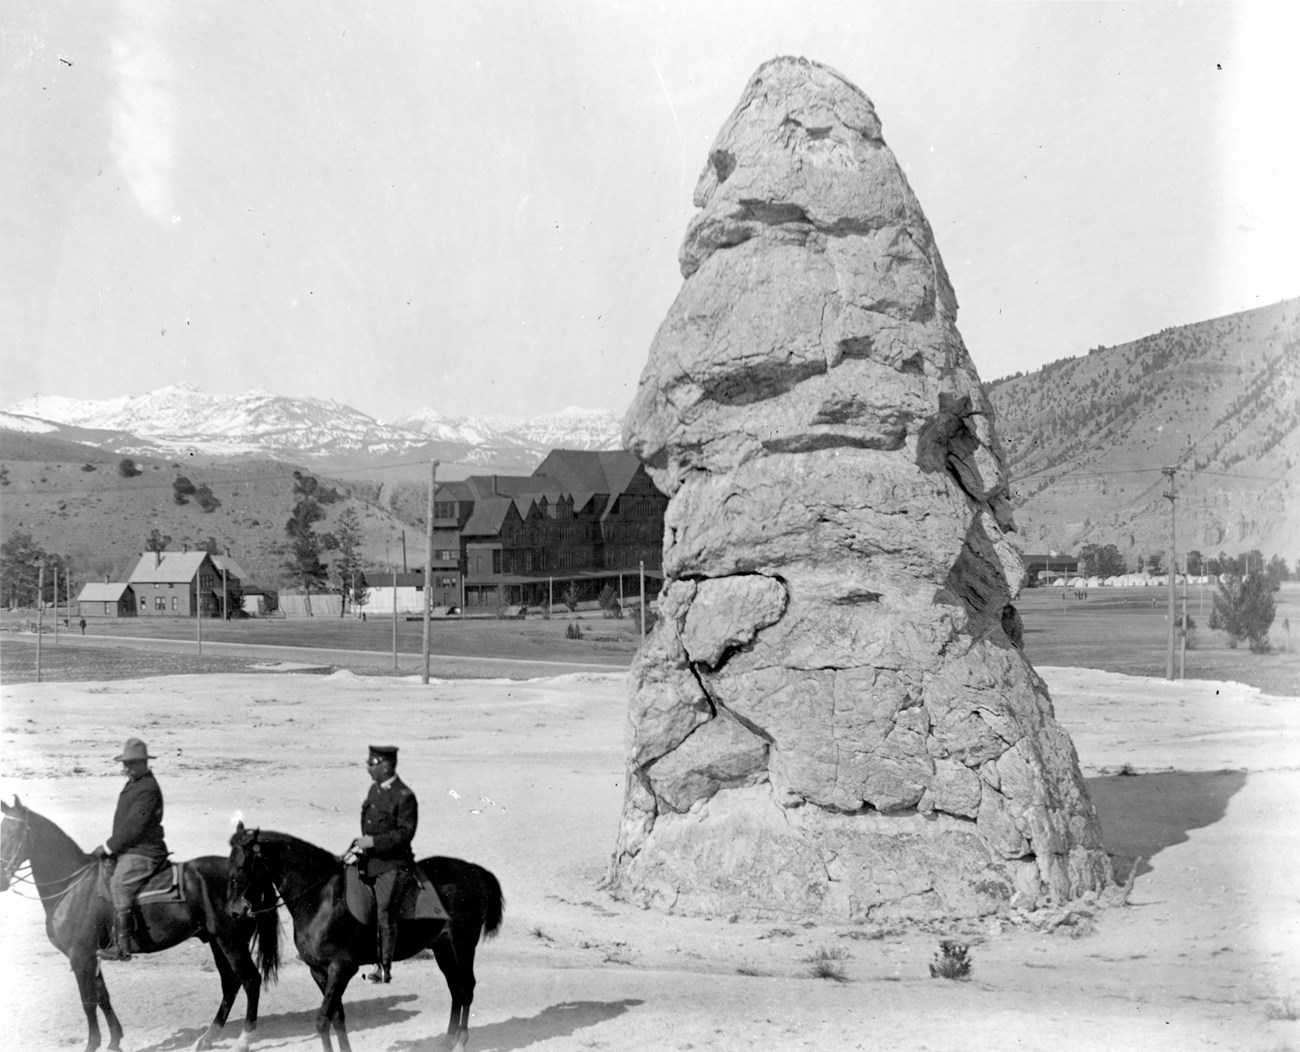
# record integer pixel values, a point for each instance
(1171, 496)
(641, 563)
(428, 569)
(40, 607)
(1182, 634)
(394, 618)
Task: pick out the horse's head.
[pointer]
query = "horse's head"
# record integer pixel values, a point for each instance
(15, 848)
(247, 880)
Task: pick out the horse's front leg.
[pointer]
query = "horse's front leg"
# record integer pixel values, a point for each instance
(346, 972)
(106, 1006)
(86, 974)
(332, 985)
(246, 970)
(94, 995)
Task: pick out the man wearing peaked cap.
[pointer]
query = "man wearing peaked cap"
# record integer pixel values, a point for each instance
(136, 846)
(389, 816)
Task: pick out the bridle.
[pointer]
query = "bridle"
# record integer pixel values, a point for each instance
(10, 865)
(254, 848)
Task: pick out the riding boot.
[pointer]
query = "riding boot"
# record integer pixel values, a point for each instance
(121, 948)
(383, 972)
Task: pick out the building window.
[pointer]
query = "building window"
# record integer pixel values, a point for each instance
(174, 602)
(160, 604)
(144, 603)
(108, 608)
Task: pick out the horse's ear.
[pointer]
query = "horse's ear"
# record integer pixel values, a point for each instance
(239, 828)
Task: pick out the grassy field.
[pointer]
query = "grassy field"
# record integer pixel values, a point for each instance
(1127, 630)
(1118, 630)
(111, 649)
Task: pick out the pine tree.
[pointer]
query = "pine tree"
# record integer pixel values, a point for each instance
(1244, 609)
(304, 565)
(347, 567)
(19, 559)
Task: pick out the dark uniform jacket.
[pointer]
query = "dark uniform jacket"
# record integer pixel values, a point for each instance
(390, 816)
(137, 822)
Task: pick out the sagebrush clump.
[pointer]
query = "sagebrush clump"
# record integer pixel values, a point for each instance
(952, 961)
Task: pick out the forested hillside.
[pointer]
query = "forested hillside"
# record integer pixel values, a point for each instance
(1086, 438)
(83, 504)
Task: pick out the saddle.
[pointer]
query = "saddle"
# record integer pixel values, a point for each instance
(421, 901)
(165, 885)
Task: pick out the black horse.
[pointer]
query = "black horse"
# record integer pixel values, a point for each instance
(311, 882)
(79, 920)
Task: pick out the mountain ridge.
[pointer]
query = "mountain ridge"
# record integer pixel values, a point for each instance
(183, 419)
(1086, 439)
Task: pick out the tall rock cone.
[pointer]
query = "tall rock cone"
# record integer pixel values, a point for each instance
(832, 716)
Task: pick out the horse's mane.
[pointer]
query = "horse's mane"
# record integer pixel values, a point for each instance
(48, 828)
(304, 851)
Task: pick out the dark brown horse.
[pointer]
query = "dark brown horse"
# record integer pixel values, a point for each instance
(79, 919)
(311, 882)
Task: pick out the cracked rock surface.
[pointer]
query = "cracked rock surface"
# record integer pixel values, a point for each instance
(832, 716)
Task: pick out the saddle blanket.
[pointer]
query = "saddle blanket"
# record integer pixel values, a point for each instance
(164, 886)
(422, 901)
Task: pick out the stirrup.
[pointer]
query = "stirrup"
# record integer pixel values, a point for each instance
(112, 953)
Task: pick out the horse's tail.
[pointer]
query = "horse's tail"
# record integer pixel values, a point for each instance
(467, 889)
(494, 903)
(266, 941)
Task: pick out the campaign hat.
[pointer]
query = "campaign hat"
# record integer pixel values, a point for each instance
(384, 752)
(134, 749)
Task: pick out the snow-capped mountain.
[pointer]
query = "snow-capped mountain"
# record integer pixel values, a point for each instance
(183, 419)
(571, 428)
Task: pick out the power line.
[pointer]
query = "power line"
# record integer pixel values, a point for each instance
(1143, 471)
(1081, 474)
(1235, 475)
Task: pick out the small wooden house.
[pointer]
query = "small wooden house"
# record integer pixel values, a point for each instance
(106, 599)
(176, 584)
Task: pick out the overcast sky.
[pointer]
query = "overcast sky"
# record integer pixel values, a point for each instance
(477, 206)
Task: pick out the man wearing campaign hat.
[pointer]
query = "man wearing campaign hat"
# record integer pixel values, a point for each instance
(388, 820)
(136, 846)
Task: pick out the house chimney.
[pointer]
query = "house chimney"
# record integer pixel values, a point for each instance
(157, 559)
